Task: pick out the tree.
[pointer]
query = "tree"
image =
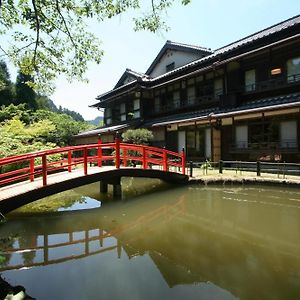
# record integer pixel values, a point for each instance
(50, 37)
(24, 93)
(137, 136)
(6, 86)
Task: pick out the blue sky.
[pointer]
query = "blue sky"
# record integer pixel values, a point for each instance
(210, 23)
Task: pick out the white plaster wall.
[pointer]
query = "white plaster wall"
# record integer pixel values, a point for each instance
(180, 58)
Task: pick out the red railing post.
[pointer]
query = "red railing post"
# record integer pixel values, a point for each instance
(69, 161)
(144, 158)
(99, 152)
(85, 160)
(183, 161)
(125, 157)
(165, 160)
(117, 141)
(31, 169)
(44, 169)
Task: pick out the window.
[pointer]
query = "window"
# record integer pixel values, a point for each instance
(123, 111)
(170, 67)
(218, 87)
(288, 134)
(108, 116)
(241, 137)
(250, 80)
(156, 104)
(136, 104)
(191, 92)
(293, 69)
(136, 108)
(176, 99)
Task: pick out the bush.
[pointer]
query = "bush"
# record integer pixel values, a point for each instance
(139, 136)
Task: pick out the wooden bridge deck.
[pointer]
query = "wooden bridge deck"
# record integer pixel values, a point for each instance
(22, 187)
(15, 195)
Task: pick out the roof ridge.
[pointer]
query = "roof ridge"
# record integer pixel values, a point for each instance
(258, 32)
(188, 45)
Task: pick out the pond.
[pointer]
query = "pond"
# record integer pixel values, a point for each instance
(191, 242)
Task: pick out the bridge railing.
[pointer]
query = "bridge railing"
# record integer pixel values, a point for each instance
(39, 164)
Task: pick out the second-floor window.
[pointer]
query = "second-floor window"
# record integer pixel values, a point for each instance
(218, 87)
(136, 108)
(176, 99)
(123, 111)
(191, 95)
(157, 104)
(108, 116)
(293, 69)
(250, 80)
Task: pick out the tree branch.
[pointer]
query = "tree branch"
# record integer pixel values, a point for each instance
(37, 40)
(65, 23)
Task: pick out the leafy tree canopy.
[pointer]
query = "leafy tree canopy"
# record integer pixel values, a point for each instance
(45, 38)
(137, 136)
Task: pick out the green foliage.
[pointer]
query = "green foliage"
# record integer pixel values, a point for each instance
(46, 38)
(6, 86)
(24, 93)
(66, 126)
(137, 136)
(11, 111)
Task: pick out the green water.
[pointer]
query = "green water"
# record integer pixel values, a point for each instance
(189, 242)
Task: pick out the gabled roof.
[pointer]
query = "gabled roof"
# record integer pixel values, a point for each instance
(129, 73)
(169, 45)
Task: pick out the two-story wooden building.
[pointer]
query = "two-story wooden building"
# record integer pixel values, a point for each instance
(238, 102)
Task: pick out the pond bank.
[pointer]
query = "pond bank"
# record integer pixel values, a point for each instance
(239, 179)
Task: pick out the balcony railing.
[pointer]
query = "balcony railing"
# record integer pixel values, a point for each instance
(187, 103)
(276, 82)
(286, 145)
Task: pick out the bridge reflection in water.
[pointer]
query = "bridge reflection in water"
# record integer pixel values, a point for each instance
(242, 240)
(107, 239)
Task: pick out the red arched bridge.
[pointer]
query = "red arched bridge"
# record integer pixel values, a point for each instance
(31, 176)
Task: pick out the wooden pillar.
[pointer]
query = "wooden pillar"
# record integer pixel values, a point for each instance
(32, 169)
(99, 151)
(69, 161)
(117, 191)
(44, 169)
(216, 144)
(117, 141)
(103, 187)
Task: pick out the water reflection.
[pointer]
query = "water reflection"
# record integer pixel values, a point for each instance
(205, 243)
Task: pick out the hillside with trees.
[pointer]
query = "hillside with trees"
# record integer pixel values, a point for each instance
(30, 121)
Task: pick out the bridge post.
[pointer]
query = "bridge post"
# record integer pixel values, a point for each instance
(117, 191)
(165, 160)
(99, 151)
(85, 155)
(44, 169)
(32, 169)
(125, 157)
(103, 187)
(183, 161)
(117, 141)
(69, 161)
(144, 159)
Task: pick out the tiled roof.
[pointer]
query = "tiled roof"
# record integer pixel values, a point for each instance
(237, 44)
(260, 34)
(212, 55)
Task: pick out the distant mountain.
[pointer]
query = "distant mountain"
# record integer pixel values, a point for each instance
(97, 121)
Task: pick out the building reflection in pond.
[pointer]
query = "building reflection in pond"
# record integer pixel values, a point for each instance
(247, 245)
